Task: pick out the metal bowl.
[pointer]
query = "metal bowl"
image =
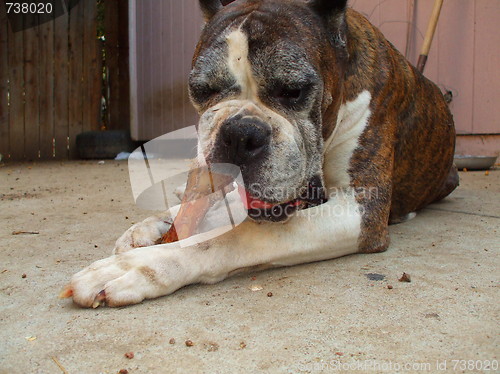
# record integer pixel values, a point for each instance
(474, 162)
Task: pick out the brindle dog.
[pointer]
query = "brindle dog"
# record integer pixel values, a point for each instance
(303, 97)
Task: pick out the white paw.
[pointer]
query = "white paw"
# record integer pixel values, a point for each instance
(127, 279)
(142, 234)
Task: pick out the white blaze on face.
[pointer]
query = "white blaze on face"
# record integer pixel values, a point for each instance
(239, 64)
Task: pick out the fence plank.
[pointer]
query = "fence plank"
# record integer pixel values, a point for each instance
(46, 89)
(61, 92)
(75, 76)
(16, 94)
(123, 67)
(31, 85)
(4, 84)
(91, 68)
(111, 50)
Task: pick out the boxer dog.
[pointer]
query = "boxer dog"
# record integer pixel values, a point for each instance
(303, 96)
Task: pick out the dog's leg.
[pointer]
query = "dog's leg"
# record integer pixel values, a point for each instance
(143, 234)
(150, 231)
(323, 232)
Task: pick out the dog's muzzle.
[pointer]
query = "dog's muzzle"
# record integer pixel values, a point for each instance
(243, 140)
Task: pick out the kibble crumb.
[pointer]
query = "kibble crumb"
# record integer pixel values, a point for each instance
(405, 278)
(129, 355)
(389, 286)
(171, 341)
(189, 343)
(269, 294)
(24, 275)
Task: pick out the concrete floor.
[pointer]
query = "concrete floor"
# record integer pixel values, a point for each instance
(321, 317)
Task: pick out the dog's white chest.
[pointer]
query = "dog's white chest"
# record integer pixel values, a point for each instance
(352, 120)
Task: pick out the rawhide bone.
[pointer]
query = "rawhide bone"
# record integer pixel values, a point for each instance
(197, 200)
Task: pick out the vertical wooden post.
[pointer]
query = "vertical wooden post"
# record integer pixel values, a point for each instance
(4, 84)
(61, 82)
(31, 65)
(431, 29)
(46, 89)
(16, 94)
(92, 58)
(123, 67)
(112, 56)
(76, 93)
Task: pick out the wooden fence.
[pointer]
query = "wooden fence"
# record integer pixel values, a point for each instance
(55, 77)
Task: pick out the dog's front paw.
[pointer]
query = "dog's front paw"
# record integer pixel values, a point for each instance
(142, 234)
(129, 278)
(106, 282)
(121, 280)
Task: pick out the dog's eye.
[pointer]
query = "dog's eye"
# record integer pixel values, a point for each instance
(289, 96)
(201, 93)
(206, 92)
(288, 93)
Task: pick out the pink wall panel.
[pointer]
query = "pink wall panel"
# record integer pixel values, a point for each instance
(369, 8)
(163, 38)
(464, 57)
(486, 114)
(456, 59)
(392, 23)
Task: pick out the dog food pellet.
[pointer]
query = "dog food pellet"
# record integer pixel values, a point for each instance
(171, 341)
(123, 371)
(243, 345)
(129, 355)
(486, 173)
(405, 278)
(23, 276)
(389, 286)
(269, 294)
(189, 343)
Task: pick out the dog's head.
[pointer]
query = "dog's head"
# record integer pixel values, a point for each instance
(266, 75)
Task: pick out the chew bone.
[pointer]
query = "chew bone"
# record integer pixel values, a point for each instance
(202, 183)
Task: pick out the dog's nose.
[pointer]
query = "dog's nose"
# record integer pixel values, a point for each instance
(244, 138)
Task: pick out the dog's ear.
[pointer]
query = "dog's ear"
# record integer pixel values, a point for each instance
(329, 8)
(333, 14)
(211, 7)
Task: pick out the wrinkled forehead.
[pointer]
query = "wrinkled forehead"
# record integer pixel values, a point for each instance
(273, 35)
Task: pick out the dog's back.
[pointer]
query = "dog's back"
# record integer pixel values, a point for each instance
(413, 111)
